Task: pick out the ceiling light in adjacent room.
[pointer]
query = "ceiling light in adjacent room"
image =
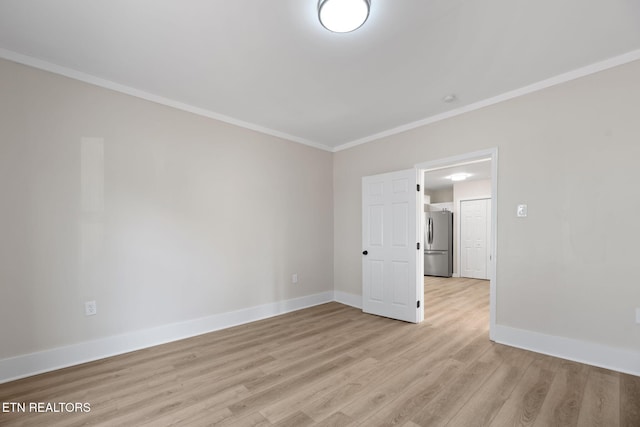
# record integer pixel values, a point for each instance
(459, 176)
(342, 16)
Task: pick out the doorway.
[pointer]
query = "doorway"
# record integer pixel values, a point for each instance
(447, 169)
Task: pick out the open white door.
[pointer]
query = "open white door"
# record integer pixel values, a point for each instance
(392, 283)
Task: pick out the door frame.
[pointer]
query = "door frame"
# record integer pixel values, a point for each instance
(492, 155)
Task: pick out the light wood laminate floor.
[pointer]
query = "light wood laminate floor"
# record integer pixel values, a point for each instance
(332, 365)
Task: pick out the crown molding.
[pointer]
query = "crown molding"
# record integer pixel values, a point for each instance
(543, 84)
(108, 84)
(128, 90)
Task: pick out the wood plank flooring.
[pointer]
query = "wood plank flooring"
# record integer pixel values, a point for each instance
(332, 365)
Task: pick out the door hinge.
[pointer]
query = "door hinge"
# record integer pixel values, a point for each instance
(418, 245)
(418, 304)
(418, 185)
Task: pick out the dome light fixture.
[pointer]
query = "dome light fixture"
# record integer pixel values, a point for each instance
(459, 176)
(343, 16)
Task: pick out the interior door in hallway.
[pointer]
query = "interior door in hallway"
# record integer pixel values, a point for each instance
(475, 229)
(392, 284)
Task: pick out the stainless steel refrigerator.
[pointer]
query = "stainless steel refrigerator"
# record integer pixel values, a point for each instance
(438, 243)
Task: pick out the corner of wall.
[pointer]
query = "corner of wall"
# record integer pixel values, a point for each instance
(348, 299)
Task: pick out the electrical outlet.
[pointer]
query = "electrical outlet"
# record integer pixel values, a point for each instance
(90, 308)
(294, 278)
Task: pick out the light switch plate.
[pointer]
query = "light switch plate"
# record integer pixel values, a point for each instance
(521, 211)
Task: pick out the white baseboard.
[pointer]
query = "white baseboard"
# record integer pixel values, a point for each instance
(348, 299)
(14, 368)
(617, 359)
(48, 360)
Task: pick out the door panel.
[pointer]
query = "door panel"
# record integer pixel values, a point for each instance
(400, 227)
(474, 235)
(376, 218)
(377, 273)
(390, 230)
(400, 279)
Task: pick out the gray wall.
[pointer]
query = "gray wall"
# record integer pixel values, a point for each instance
(161, 216)
(569, 152)
(443, 195)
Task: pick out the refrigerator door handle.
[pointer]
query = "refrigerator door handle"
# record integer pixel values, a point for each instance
(430, 231)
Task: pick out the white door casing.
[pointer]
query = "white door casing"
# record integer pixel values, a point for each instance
(392, 284)
(472, 157)
(475, 231)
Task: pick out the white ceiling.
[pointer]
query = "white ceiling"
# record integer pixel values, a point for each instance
(269, 65)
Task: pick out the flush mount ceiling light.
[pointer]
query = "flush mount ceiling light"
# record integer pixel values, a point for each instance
(342, 16)
(459, 176)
